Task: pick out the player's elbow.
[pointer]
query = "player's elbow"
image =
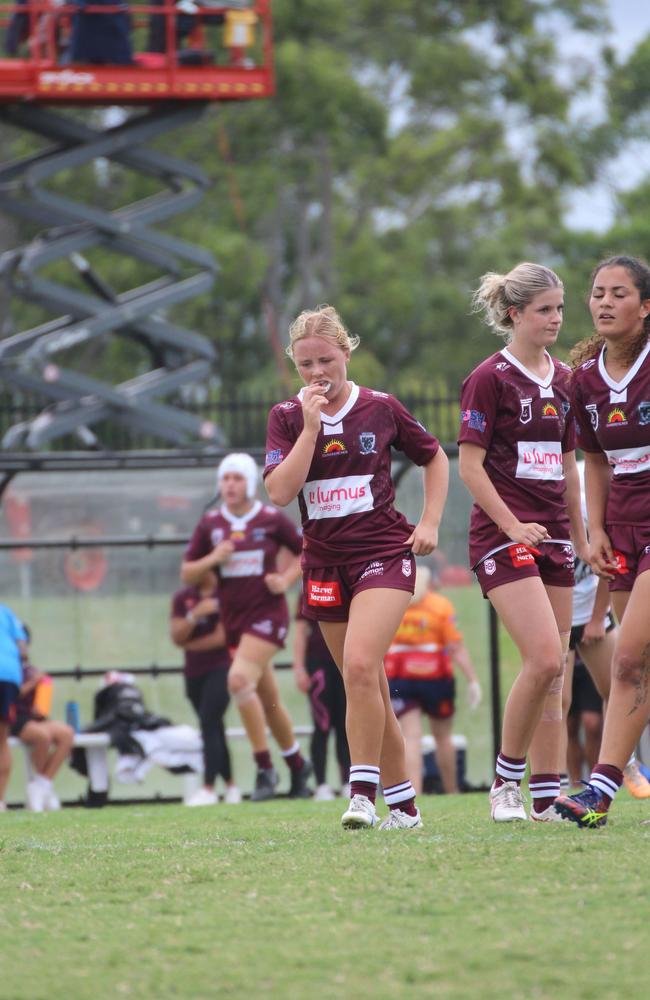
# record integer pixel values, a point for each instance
(277, 491)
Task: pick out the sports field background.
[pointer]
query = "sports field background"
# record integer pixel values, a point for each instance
(122, 622)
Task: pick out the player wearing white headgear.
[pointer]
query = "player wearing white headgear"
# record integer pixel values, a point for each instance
(255, 550)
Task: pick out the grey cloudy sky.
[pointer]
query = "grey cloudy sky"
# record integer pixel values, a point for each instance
(593, 208)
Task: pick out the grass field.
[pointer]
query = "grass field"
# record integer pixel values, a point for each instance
(276, 900)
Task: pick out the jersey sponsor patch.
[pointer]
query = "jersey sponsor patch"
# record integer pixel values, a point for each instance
(322, 593)
(337, 497)
(274, 457)
(539, 460)
(521, 555)
(243, 564)
(490, 567)
(628, 461)
(474, 419)
(334, 447)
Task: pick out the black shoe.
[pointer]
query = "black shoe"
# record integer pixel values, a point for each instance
(265, 782)
(299, 788)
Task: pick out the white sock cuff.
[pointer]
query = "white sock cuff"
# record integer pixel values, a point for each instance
(544, 789)
(364, 772)
(399, 793)
(509, 771)
(604, 785)
(294, 749)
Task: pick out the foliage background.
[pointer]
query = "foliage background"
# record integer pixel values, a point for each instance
(411, 147)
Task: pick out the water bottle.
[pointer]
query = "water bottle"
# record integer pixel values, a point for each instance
(72, 715)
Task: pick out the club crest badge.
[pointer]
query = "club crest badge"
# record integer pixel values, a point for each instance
(644, 413)
(592, 410)
(526, 414)
(367, 441)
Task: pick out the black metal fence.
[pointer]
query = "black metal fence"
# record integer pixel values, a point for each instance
(241, 416)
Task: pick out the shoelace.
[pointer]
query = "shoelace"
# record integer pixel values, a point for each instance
(512, 796)
(359, 802)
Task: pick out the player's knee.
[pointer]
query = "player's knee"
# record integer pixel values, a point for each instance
(65, 736)
(240, 687)
(628, 668)
(548, 671)
(359, 673)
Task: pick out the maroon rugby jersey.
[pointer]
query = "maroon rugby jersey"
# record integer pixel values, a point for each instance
(524, 424)
(257, 537)
(347, 502)
(199, 662)
(614, 418)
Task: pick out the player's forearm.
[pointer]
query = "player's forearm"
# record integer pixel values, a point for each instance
(436, 485)
(480, 485)
(462, 660)
(597, 479)
(194, 571)
(284, 483)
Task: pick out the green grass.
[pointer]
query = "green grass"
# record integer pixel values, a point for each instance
(276, 900)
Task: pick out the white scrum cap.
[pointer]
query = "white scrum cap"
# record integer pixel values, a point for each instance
(245, 466)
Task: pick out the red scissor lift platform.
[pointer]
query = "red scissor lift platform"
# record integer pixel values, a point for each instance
(230, 48)
(244, 71)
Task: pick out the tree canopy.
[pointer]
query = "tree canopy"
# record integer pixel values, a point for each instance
(411, 146)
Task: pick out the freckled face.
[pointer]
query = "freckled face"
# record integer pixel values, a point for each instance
(320, 361)
(616, 307)
(540, 320)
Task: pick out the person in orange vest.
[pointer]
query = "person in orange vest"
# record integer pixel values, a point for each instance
(420, 670)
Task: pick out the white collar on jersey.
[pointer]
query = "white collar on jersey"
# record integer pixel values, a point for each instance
(336, 418)
(239, 523)
(625, 381)
(543, 382)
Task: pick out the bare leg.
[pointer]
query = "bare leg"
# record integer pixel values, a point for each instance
(518, 605)
(5, 759)
(629, 703)
(597, 657)
(445, 753)
(411, 725)
(547, 747)
(276, 714)
(61, 740)
(250, 659)
(358, 647)
(568, 740)
(36, 737)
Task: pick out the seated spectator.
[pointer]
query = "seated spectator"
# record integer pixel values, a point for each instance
(196, 627)
(49, 742)
(101, 39)
(13, 648)
(420, 670)
(317, 675)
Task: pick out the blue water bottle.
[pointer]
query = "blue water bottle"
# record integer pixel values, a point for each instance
(72, 715)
